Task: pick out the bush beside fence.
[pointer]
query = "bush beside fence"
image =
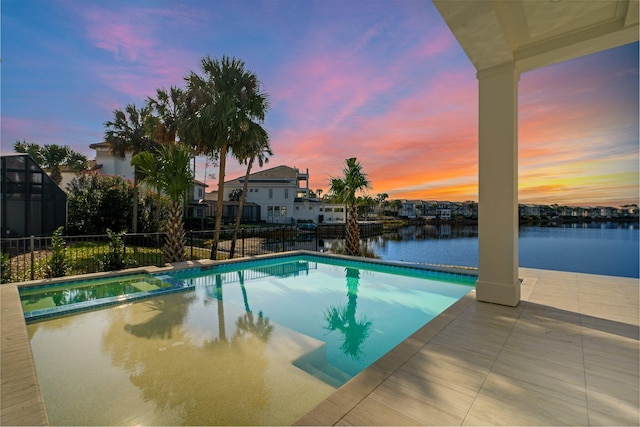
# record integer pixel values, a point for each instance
(28, 256)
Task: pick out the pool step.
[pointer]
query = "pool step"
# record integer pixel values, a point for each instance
(315, 363)
(144, 286)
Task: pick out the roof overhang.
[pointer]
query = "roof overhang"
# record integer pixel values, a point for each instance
(536, 33)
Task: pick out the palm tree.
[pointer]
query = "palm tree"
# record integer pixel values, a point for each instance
(219, 108)
(381, 200)
(128, 132)
(396, 205)
(366, 202)
(344, 190)
(53, 157)
(256, 148)
(170, 173)
(167, 106)
(30, 148)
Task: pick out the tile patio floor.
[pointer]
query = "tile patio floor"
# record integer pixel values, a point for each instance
(568, 354)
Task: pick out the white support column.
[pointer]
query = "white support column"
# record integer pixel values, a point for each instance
(498, 280)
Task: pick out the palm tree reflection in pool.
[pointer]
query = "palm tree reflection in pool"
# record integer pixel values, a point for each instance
(246, 323)
(343, 318)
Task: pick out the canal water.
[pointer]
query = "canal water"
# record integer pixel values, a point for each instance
(597, 248)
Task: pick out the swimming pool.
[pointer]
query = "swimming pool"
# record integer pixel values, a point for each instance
(252, 342)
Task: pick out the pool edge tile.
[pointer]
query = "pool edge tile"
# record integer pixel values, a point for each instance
(16, 356)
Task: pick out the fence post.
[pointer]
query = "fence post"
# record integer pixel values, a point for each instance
(282, 239)
(243, 236)
(191, 240)
(32, 243)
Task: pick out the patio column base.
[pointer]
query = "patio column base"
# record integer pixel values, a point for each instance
(498, 293)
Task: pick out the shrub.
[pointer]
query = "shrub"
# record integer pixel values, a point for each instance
(57, 265)
(5, 269)
(116, 258)
(97, 202)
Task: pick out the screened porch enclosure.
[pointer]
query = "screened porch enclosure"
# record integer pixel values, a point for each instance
(32, 204)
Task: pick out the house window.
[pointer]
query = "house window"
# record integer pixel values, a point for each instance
(338, 210)
(276, 211)
(271, 193)
(286, 193)
(256, 190)
(200, 193)
(328, 209)
(251, 190)
(297, 208)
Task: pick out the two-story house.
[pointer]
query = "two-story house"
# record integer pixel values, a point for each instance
(108, 164)
(282, 194)
(444, 210)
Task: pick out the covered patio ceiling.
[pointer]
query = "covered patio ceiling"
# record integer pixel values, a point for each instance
(536, 33)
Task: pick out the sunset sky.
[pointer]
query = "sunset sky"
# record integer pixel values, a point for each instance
(383, 81)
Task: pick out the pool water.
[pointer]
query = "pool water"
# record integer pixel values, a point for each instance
(253, 343)
(54, 300)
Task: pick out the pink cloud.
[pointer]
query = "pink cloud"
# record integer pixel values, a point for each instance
(142, 61)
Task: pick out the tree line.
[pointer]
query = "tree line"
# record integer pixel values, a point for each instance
(219, 112)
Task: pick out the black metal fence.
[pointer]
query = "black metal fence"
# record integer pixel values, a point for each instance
(252, 241)
(27, 258)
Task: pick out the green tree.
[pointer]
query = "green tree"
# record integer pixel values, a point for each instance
(220, 107)
(396, 205)
(167, 106)
(169, 173)
(129, 132)
(152, 209)
(30, 148)
(57, 265)
(116, 257)
(235, 195)
(381, 200)
(52, 158)
(256, 147)
(97, 202)
(345, 191)
(365, 203)
(5, 268)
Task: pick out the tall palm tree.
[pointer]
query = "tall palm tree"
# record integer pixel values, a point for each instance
(128, 132)
(170, 173)
(345, 191)
(219, 107)
(255, 148)
(167, 106)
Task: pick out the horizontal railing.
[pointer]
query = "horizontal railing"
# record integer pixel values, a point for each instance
(27, 258)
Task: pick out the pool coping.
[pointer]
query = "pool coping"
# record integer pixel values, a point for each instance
(21, 401)
(331, 410)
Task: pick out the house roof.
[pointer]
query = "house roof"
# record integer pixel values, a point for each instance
(276, 174)
(195, 181)
(99, 145)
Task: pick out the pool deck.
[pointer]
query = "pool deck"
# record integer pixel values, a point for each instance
(568, 354)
